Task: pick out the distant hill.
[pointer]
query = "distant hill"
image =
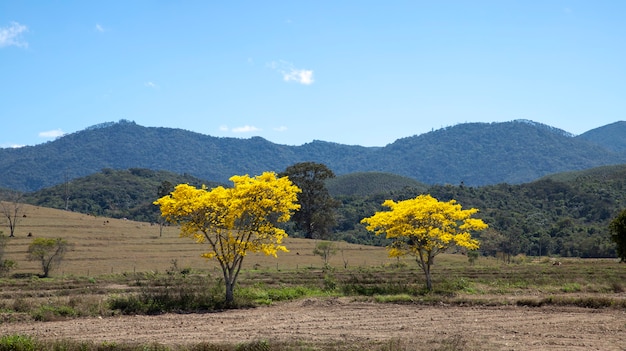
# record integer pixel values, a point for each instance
(491, 153)
(370, 183)
(612, 137)
(113, 193)
(473, 153)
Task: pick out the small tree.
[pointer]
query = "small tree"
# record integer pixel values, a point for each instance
(11, 209)
(5, 265)
(325, 249)
(424, 227)
(617, 228)
(50, 252)
(234, 221)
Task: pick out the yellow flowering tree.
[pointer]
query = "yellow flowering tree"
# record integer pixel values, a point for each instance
(234, 221)
(424, 227)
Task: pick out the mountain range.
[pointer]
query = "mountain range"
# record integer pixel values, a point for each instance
(472, 153)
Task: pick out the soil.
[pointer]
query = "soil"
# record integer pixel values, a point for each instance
(341, 321)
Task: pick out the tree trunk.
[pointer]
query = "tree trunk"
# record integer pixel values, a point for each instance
(11, 230)
(230, 297)
(425, 263)
(429, 281)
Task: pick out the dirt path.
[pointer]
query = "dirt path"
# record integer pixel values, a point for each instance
(339, 320)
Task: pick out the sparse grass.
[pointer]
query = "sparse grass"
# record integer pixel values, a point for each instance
(27, 343)
(154, 293)
(260, 294)
(401, 298)
(452, 343)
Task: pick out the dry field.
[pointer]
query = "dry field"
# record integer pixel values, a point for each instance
(103, 246)
(338, 324)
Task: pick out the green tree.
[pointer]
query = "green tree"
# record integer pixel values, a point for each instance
(325, 249)
(316, 216)
(617, 228)
(234, 221)
(5, 265)
(424, 227)
(49, 252)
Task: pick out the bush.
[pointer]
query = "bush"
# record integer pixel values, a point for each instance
(17, 343)
(48, 313)
(6, 266)
(171, 293)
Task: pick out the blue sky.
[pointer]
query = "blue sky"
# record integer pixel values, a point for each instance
(352, 72)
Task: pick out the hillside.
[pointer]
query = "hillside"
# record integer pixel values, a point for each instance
(369, 183)
(473, 153)
(564, 214)
(103, 245)
(612, 137)
(113, 193)
(492, 153)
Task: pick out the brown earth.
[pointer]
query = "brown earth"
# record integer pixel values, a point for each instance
(343, 323)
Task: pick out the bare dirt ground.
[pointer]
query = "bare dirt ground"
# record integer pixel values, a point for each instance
(344, 322)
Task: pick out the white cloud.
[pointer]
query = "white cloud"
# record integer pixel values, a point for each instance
(292, 74)
(100, 28)
(52, 134)
(151, 85)
(245, 129)
(301, 76)
(280, 129)
(12, 35)
(223, 128)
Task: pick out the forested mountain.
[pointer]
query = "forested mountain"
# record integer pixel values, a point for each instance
(369, 183)
(612, 137)
(474, 153)
(481, 154)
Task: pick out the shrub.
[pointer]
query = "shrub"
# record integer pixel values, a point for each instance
(17, 343)
(48, 313)
(171, 293)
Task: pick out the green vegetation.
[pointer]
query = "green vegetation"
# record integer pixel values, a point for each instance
(48, 252)
(113, 193)
(18, 342)
(315, 218)
(6, 265)
(362, 184)
(325, 249)
(618, 234)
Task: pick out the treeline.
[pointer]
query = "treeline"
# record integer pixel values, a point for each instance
(565, 214)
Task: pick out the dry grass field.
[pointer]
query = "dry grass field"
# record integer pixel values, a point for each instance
(104, 245)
